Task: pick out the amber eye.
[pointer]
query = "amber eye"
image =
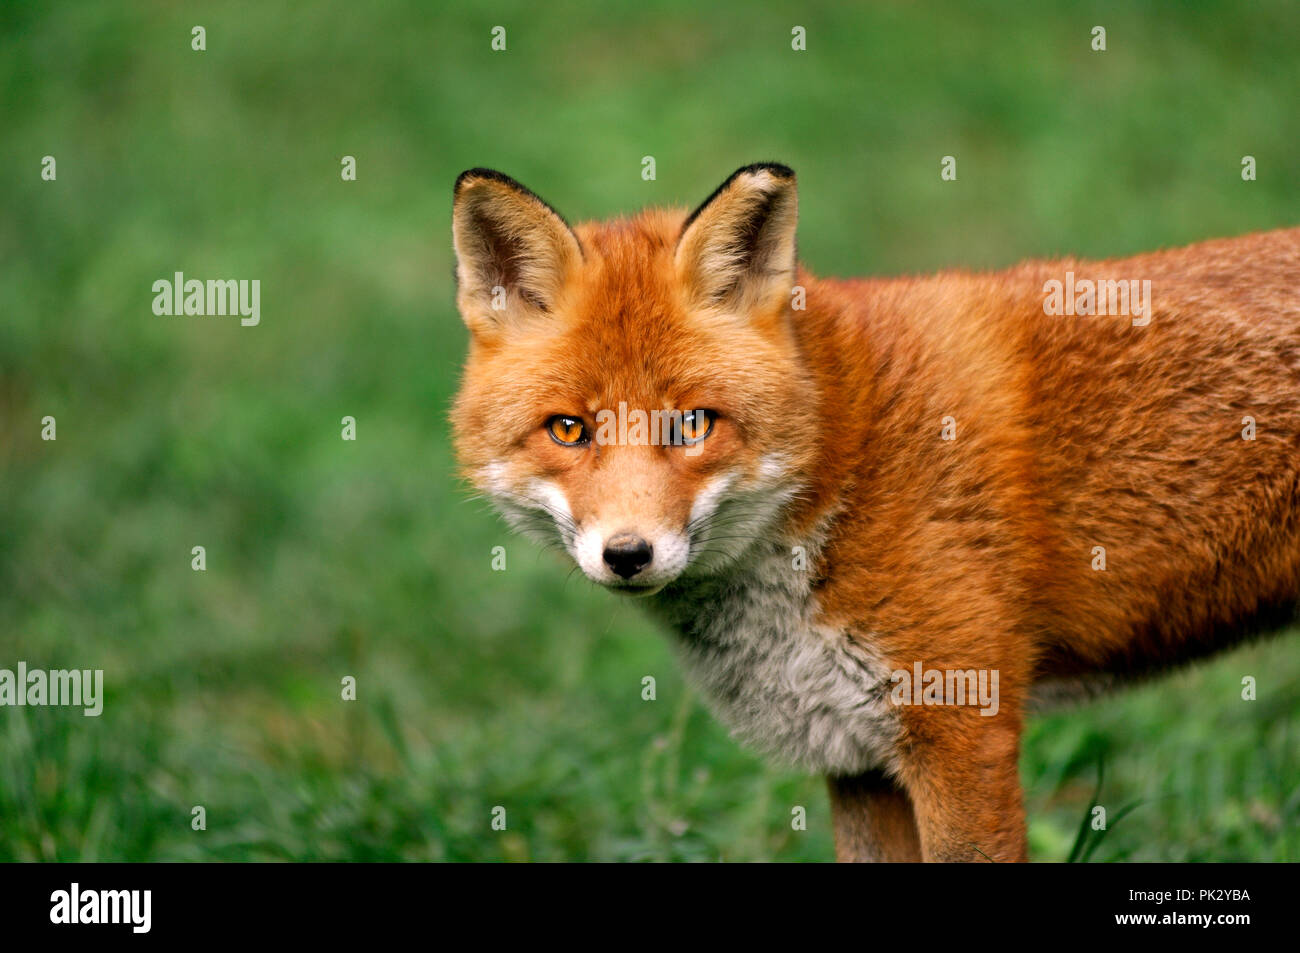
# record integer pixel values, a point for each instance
(696, 425)
(569, 431)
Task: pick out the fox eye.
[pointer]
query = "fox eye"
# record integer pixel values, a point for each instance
(696, 425)
(568, 431)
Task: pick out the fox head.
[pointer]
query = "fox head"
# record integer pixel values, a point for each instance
(634, 388)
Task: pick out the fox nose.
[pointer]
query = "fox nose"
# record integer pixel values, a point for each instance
(627, 554)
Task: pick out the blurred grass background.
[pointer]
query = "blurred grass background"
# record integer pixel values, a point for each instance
(327, 558)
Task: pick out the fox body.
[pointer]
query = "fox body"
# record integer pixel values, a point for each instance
(874, 477)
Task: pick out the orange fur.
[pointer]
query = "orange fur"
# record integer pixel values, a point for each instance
(1072, 432)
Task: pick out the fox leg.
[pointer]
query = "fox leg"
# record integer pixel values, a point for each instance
(965, 793)
(873, 820)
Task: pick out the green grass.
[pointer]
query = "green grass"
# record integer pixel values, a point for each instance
(523, 688)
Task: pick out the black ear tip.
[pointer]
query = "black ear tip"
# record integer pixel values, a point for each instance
(479, 173)
(777, 169)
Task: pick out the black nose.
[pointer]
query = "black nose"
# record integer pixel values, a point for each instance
(627, 554)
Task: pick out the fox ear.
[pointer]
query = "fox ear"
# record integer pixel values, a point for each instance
(738, 249)
(513, 251)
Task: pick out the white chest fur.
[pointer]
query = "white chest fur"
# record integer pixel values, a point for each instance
(800, 692)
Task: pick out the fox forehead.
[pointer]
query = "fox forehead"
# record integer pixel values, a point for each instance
(621, 332)
(624, 299)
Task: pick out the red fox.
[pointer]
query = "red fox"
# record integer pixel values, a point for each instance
(882, 517)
